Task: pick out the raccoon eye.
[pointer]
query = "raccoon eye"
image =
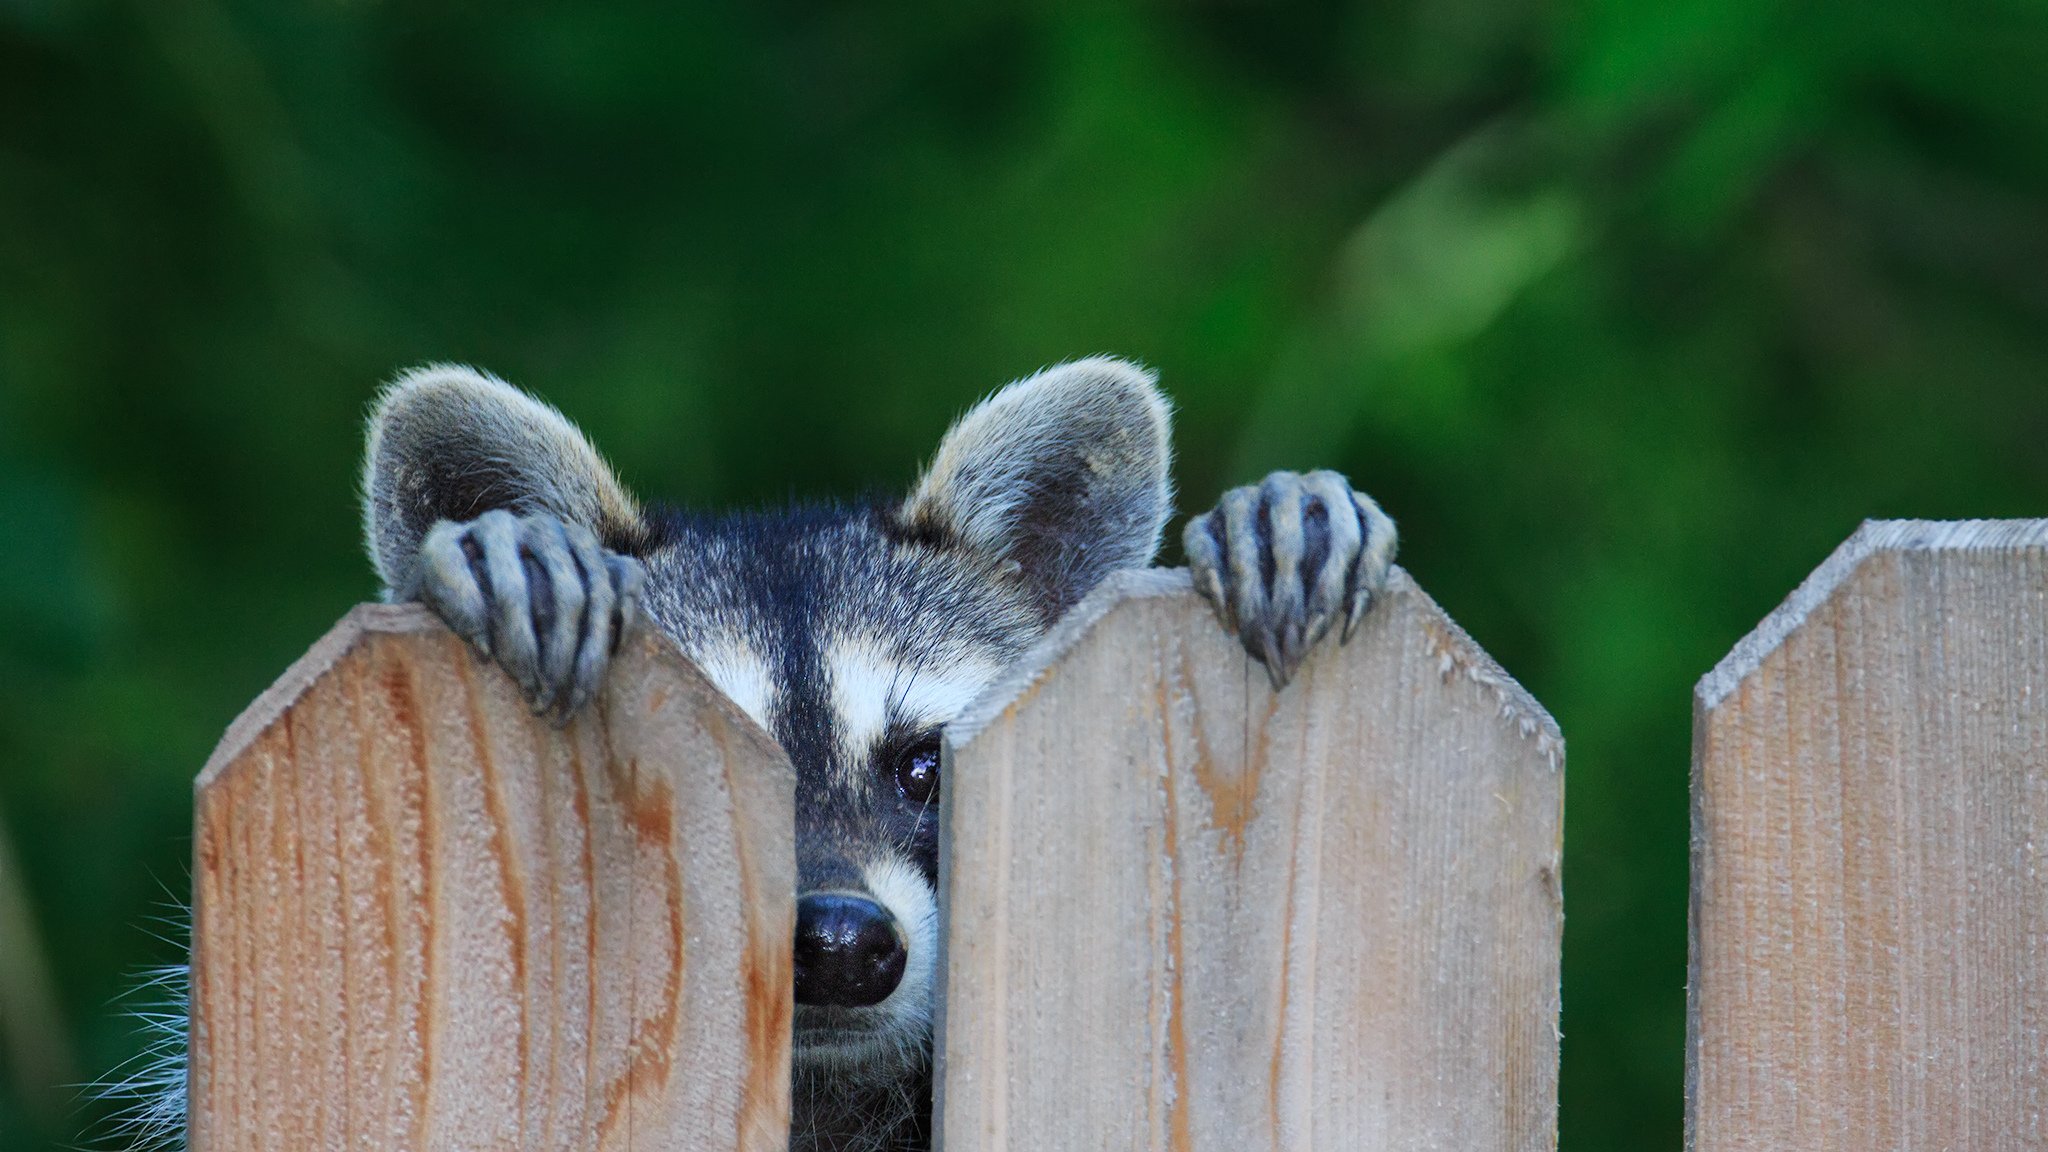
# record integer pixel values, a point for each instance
(917, 771)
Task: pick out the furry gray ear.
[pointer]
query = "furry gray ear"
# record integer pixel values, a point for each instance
(451, 443)
(1061, 478)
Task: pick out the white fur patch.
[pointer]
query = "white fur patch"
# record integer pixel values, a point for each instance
(870, 687)
(901, 888)
(741, 674)
(862, 676)
(936, 697)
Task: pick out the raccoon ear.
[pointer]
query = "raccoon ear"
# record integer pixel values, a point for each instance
(1062, 478)
(451, 443)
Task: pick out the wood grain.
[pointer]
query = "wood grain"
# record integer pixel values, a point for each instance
(1186, 913)
(426, 920)
(1869, 958)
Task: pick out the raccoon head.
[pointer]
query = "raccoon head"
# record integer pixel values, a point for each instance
(852, 633)
(855, 633)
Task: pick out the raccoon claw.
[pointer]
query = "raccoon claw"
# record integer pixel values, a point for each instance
(1282, 560)
(539, 596)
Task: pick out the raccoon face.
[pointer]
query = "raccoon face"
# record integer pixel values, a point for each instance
(854, 634)
(852, 646)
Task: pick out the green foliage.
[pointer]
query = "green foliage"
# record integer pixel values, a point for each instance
(1627, 311)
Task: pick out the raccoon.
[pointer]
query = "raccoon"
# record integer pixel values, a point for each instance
(851, 632)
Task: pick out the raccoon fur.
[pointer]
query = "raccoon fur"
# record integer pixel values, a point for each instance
(851, 632)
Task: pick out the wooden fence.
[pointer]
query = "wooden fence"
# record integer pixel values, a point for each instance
(1186, 913)
(1869, 960)
(1183, 912)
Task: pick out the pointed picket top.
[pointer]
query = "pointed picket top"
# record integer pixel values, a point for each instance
(1455, 652)
(365, 621)
(1869, 539)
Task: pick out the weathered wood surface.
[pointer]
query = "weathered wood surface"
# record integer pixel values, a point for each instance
(1869, 963)
(1187, 913)
(425, 920)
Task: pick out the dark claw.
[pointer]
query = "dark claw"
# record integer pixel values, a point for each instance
(1368, 572)
(594, 650)
(1205, 557)
(1354, 614)
(560, 605)
(627, 578)
(1277, 667)
(513, 643)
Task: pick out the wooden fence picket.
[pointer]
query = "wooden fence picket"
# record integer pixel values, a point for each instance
(1186, 913)
(1869, 956)
(427, 921)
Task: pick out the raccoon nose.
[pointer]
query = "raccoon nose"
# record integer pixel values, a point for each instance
(849, 951)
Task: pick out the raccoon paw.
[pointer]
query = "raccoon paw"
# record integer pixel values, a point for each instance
(1280, 560)
(540, 596)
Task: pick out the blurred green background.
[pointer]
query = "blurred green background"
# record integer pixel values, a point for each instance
(1626, 311)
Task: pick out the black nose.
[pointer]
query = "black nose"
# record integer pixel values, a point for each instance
(849, 951)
